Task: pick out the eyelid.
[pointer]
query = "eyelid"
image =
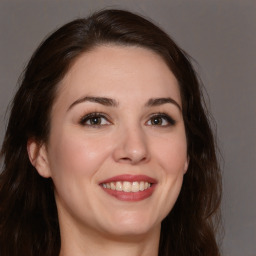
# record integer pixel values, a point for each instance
(86, 117)
(165, 116)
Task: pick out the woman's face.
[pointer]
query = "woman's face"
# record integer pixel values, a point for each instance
(117, 150)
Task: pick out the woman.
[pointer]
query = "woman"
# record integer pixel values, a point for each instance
(108, 149)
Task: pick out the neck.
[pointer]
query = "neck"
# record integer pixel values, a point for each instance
(77, 244)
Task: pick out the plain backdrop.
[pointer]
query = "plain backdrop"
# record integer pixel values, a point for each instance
(219, 34)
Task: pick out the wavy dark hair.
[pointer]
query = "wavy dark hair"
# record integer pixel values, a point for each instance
(28, 214)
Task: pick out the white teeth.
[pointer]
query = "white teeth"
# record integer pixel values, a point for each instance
(135, 186)
(119, 186)
(142, 186)
(113, 186)
(127, 186)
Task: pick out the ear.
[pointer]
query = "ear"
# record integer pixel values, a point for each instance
(186, 164)
(38, 157)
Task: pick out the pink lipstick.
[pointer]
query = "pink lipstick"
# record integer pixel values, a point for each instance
(129, 187)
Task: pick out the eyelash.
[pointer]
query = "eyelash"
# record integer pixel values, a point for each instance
(163, 116)
(96, 115)
(92, 116)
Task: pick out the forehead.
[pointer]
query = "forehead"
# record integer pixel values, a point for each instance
(111, 70)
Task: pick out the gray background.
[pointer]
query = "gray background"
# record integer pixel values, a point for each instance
(220, 35)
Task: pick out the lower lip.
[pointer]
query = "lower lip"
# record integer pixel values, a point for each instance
(131, 196)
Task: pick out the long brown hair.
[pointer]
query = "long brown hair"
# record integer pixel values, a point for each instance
(28, 215)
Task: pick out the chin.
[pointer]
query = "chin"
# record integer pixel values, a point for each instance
(133, 225)
(131, 232)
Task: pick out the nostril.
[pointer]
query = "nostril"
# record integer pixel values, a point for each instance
(131, 149)
(132, 160)
(125, 159)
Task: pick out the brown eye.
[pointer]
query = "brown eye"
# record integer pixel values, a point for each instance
(94, 119)
(161, 120)
(157, 121)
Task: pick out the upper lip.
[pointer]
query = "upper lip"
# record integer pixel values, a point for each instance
(130, 178)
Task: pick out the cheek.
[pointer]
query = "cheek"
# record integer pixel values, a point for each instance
(75, 155)
(172, 155)
(75, 161)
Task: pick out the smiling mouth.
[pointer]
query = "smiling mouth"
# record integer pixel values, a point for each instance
(127, 186)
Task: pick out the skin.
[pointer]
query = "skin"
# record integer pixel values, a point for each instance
(78, 156)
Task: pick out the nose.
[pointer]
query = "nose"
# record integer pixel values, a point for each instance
(131, 147)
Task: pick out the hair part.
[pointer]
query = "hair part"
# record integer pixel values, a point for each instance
(28, 215)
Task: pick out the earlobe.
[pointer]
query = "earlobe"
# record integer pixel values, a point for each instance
(38, 157)
(186, 164)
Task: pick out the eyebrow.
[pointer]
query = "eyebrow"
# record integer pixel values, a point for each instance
(101, 100)
(160, 101)
(153, 102)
